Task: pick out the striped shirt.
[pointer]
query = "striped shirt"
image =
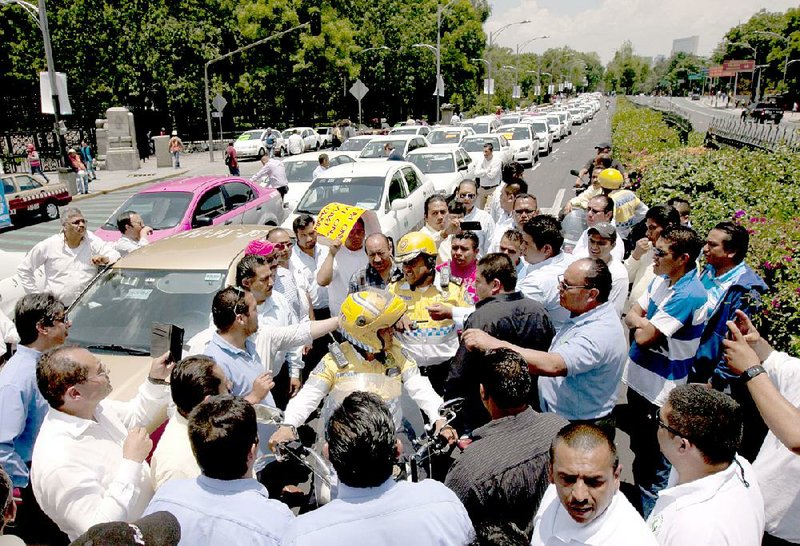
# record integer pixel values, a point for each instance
(679, 313)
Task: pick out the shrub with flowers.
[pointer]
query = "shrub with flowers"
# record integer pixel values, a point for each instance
(761, 191)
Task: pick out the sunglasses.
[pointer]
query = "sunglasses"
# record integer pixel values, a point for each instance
(562, 284)
(282, 246)
(467, 195)
(657, 252)
(661, 424)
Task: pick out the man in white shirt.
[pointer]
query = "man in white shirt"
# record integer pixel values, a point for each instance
(342, 261)
(285, 283)
(88, 463)
(134, 232)
(712, 496)
(324, 163)
(295, 144)
(505, 220)
(193, 380)
(306, 258)
(603, 238)
(584, 504)
(545, 263)
(490, 174)
(435, 214)
(372, 508)
(272, 174)
(466, 194)
(69, 259)
(599, 209)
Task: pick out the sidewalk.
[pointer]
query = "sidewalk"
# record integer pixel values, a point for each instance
(788, 116)
(196, 164)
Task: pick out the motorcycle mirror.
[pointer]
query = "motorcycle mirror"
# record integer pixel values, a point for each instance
(267, 415)
(574, 172)
(454, 404)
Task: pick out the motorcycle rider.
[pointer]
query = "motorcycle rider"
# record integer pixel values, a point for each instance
(602, 148)
(370, 360)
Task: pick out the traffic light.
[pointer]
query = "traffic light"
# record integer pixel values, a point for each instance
(315, 22)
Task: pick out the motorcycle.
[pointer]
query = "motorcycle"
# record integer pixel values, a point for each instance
(419, 464)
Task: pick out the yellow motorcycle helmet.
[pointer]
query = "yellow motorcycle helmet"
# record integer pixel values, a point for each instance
(610, 179)
(364, 313)
(413, 244)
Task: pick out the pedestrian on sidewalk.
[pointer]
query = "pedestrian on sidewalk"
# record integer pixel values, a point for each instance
(88, 159)
(175, 149)
(231, 160)
(79, 168)
(35, 163)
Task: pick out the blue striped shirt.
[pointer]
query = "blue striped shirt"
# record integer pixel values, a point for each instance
(679, 313)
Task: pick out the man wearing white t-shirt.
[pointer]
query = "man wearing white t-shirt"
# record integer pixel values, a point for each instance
(490, 174)
(348, 258)
(599, 209)
(602, 243)
(584, 504)
(466, 194)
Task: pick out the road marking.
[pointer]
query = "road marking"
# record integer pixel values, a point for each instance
(536, 166)
(566, 141)
(557, 202)
(554, 151)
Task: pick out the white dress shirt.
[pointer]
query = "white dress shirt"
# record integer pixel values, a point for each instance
(275, 173)
(487, 227)
(505, 222)
(173, 458)
(276, 312)
(67, 270)
(345, 264)
(581, 249)
(619, 284)
(126, 245)
(716, 509)
(619, 525)
(305, 269)
(295, 144)
(540, 283)
(78, 474)
(490, 172)
(640, 275)
(318, 172)
(286, 286)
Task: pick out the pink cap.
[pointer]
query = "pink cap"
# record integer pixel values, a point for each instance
(259, 247)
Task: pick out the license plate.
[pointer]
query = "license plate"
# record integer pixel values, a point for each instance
(34, 206)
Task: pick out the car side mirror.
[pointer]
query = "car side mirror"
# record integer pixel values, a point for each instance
(399, 205)
(202, 221)
(463, 167)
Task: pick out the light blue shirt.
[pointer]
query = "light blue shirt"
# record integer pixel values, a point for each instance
(22, 410)
(242, 367)
(594, 350)
(393, 514)
(214, 511)
(717, 286)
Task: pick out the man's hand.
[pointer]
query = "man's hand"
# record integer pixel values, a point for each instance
(745, 348)
(335, 246)
(99, 259)
(446, 431)
(440, 311)
(474, 339)
(283, 435)
(261, 387)
(567, 208)
(405, 324)
(147, 231)
(295, 383)
(578, 182)
(137, 445)
(641, 248)
(161, 367)
(306, 349)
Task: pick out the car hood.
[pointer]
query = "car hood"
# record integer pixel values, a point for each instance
(444, 181)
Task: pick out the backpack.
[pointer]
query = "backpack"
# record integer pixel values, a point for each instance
(228, 159)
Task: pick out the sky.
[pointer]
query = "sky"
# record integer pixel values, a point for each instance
(603, 25)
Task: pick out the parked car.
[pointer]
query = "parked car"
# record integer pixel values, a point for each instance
(524, 143)
(311, 140)
(253, 144)
(473, 145)
(543, 134)
(566, 118)
(325, 136)
(482, 124)
(300, 170)
(184, 204)
(28, 198)
(423, 130)
(449, 135)
(578, 116)
(171, 281)
(353, 145)
(395, 190)
(695, 96)
(763, 111)
(446, 165)
(555, 121)
(510, 119)
(373, 151)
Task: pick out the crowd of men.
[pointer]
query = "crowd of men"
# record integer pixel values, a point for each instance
(553, 348)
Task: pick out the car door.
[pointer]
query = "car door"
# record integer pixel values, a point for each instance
(395, 223)
(243, 204)
(419, 189)
(211, 208)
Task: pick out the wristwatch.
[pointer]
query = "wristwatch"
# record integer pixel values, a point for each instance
(752, 372)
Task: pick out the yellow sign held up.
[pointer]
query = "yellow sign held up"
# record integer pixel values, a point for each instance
(336, 220)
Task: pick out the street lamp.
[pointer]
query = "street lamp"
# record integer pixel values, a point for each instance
(488, 81)
(786, 41)
(41, 21)
(438, 64)
(439, 82)
(383, 47)
(539, 78)
(492, 36)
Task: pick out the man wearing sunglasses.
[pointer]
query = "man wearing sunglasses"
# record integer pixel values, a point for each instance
(69, 259)
(466, 194)
(285, 281)
(667, 323)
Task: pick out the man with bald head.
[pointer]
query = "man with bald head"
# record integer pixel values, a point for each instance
(381, 269)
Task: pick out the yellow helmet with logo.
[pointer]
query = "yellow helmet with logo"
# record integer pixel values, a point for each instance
(413, 244)
(364, 313)
(610, 179)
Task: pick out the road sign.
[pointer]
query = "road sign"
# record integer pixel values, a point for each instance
(516, 92)
(696, 77)
(359, 90)
(219, 103)
(537, 90)
(720, 72)
(439, 86)
(739, 66)
(704, 70)
(216, 114)
(488, 86)
(61, 91)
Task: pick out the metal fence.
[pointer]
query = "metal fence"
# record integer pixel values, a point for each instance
(760, 136)
(674, 116)
(14, 155)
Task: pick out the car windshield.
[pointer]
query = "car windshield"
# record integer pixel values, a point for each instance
(363, 191)
(514, 133)
(353, 145)
(375, 148)
(121, 306)
(159, 210)
(250, 135)
(539, 127)
(405, 131)
(554, 119)
(478, 127)
(476, 144)
(300, 171)
(433, 163)
(289, 132)
(444, 137)
(509, 119)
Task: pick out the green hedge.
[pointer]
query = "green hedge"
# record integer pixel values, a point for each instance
(757, 189)
(638, 133)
